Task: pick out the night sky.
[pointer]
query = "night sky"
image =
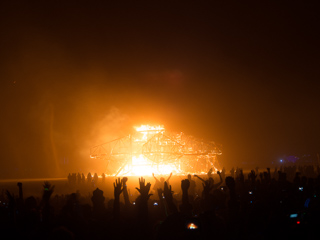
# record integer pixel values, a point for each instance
(79, 73)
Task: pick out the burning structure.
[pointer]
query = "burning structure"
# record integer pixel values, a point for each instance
(152, 149)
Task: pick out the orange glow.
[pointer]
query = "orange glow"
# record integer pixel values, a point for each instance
(151, 149)
(141, 166)
(146, 128)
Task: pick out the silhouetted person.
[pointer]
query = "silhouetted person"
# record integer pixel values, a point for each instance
(83, 179)
(98, 202)
(95, 178)
(79, 178)
(160, 183)
(192, 187)
(103, 178)
(89, 178)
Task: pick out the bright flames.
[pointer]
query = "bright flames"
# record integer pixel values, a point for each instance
(147, 128)
(141, 165)
(151, 149)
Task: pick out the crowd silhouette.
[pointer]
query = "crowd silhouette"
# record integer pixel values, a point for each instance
(279, 204)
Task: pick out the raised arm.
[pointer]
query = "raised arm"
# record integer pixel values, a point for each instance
(155, 177)
(11, 205)
(200, 178)
(185, 207)
(47, 192)
(219, 173)
(169, 199)
(116, 204)
(220, 182)
(20, 199)
(169, 177)
(142, 201)
(19, 184)
(125, 192)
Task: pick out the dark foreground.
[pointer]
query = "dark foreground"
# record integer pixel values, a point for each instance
(282, 204)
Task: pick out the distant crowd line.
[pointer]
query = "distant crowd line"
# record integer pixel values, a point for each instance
(77, 178)
(290, 171)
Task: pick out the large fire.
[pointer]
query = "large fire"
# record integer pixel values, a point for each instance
(151, 149)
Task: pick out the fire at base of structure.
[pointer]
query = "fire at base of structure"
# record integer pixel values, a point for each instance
(151, 149)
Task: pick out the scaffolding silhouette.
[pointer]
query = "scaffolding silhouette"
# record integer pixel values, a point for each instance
(157, 147)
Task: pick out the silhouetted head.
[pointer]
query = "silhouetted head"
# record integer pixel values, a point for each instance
(72, 199)
(162, 179)
(97, 197)
(189, 176)
(97, 193)
(30, 203)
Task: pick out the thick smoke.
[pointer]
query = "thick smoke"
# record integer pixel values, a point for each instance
(114, 124)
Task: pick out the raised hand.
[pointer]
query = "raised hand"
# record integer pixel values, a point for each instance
(185, 184)
(221, 180)
(117, 191)
(125, 191)
(185, 207)
(253, 175)
(199, 177)
(261, 175)
(167, 191)
(269, 174)
(19, 184)
(169, 177)
(48, 190)
(144, 189)
(10, 197)
(124, 180)
(117, 188)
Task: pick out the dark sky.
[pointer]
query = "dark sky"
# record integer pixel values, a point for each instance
(77, 74)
